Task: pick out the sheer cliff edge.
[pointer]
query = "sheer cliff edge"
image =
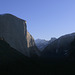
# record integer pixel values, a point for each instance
(14, 31)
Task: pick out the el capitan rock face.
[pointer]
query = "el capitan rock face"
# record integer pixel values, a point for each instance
(14, 31)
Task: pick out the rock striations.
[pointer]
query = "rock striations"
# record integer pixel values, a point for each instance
(14, 31)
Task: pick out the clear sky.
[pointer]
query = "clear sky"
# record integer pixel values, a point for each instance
(45, 18)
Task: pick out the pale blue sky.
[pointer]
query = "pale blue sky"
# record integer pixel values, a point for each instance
(45, 18)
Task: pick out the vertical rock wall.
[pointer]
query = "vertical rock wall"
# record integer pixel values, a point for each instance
(14, 31)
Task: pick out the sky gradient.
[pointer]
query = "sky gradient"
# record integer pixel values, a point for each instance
(45, 18)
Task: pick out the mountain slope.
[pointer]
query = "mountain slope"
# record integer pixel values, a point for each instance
(9, 54)
(60, 48)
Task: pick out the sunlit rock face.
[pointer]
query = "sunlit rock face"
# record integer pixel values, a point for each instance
(30, 40)
(31, 46)
(14, 31)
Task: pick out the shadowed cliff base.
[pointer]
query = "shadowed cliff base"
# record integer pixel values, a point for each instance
(13, 62)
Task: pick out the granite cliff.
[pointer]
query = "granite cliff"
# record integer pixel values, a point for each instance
(14, 31)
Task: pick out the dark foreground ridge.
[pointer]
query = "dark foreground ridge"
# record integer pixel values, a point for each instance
(13, 62)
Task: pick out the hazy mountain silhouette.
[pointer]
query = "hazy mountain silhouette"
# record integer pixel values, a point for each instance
(41, 43)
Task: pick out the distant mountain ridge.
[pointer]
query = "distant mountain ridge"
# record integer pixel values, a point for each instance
(41, 43)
